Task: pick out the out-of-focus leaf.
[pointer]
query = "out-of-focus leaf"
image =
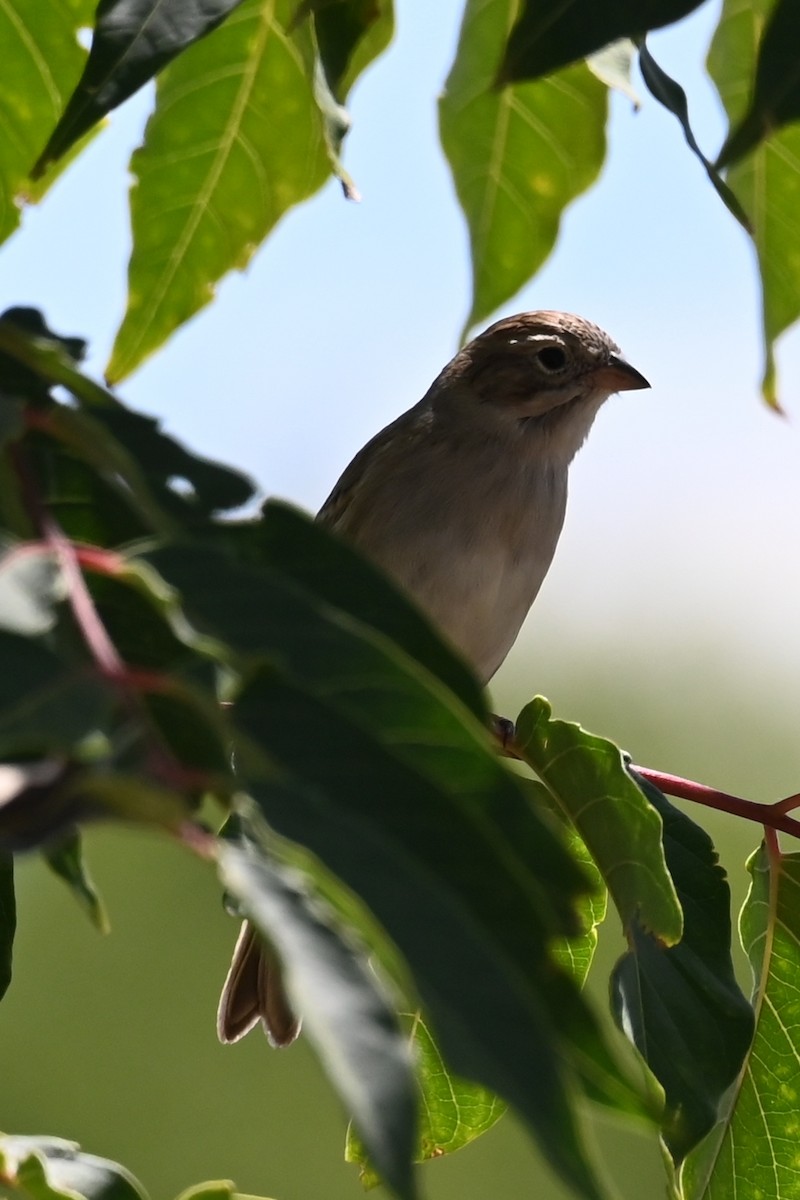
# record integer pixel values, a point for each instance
(235, 141)
(66, 860)
(775, 99)
(673, 97)
(518, 156)
(753, 1151)
(468, 925)
(8, 919)
(48, 1168)
(766, 181)
(453, 1113)
(586, 775)
(613, 64)
(345, 1011)
(133, 39)
(30, 588)
(219, 1189)
(681, 1005)
(548, 34)
(359, 674)
(41, 64)
(311, 557)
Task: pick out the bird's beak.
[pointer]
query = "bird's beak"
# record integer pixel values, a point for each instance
(619, 376)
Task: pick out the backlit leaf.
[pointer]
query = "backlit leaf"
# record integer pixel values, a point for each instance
(48, 1168)
(766, 181)
(132, 40)
(518, 155)
(236, 139)
(753, 1152)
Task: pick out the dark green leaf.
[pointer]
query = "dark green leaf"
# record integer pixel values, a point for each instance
(48, 1168)
(346, 1014)
(767, 181)
(438, 876)
(551, 33)
(132, 41)
(681, 1005)
(66, 860)
(8, 919)
(518, 156)
(350, 34)
(310, 556)
(361, 675)
(586, 776)
(673, 97)
(753, 1151)
(236, 139)
(775, 98)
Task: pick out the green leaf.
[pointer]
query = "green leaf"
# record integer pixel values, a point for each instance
(673, 97)
(575, 953)
(681, 1006)
(454, 1112)
(133, 39)
(218, 1189)
(548, 34)
(766, 181)
(775, 100)
(753, 1152)
(41, 63)
(350, 35)
(518, 156)
(466, 919)
(586, 775)
(236, 139)
(48, 1168)
(346, 1014)
(8, 919)
(363, 677)
(311, 557)
(66, 860)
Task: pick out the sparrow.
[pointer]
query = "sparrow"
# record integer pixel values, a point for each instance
(461, 502)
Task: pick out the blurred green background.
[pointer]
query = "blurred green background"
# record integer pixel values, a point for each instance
(668, 621)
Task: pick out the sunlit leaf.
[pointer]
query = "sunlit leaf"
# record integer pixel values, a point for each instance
(132, 40)
(753, 1152)
(766, 181)
(586, 775)
(236, 139)
(8, 919)
(66, 860)
(775, 98)
(41, 64)
(518, 156)
(551, 33)
(48, 1168)
(613, 65)
(681, 1005)
(345, 1011)
(453, 1113)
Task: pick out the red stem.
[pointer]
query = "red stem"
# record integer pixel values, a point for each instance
(772, 816)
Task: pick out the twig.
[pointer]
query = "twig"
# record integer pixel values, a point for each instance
(772, 816)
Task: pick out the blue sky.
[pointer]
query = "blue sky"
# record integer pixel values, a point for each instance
(683, 519)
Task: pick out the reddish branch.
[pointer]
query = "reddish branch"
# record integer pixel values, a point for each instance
(772, 816)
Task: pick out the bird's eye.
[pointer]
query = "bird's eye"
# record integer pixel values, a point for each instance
(553, 359)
